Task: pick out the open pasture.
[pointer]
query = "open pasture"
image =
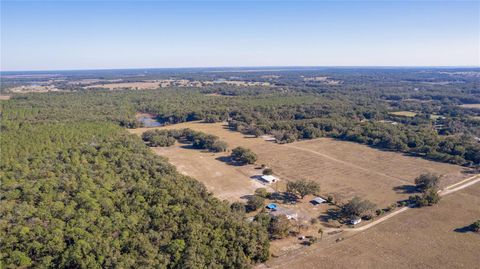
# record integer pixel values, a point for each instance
(471, 106)
(404, 113)
(431, 237)
(343, 169)
(140, 85)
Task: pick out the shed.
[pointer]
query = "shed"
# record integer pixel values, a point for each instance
(272, 206)
(269, 178)
(318, 200)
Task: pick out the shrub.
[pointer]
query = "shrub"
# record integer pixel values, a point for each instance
(476, 226)
(312, 240)
(262, 192)
(255, 202)
(357, 208)
(303, 187)
(243, 155)
(426, 199)
(425, 182)
(267, 171)
(219, 146)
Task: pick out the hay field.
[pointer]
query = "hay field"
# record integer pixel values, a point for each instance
(223, 180)
(140, 85)
(404, 113)
(471, 106)
(344, 169)
(430, 237)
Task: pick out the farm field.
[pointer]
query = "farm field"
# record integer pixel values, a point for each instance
(343, 169)
(430, 237)
(471, 106)
(404, 113)
(224, 180)
(141, 85)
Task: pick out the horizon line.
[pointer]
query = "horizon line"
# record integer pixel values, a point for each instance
(243, 67)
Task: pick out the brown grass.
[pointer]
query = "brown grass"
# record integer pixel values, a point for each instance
(471, 106)
(418, 238)
(142, 85)
(403, 113)
(343, 169)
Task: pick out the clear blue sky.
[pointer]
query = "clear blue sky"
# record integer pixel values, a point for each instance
(53, 35)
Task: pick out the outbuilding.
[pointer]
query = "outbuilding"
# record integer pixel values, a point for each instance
(272, 206)
(318, 200)
(269, 178)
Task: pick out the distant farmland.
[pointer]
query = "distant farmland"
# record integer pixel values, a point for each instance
(471, 106)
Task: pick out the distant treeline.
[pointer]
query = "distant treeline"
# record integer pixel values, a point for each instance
(355, 115)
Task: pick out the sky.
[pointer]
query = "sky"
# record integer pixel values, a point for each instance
(59, 35)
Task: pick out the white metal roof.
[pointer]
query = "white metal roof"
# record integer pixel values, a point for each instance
(319, 200)
(269, 178)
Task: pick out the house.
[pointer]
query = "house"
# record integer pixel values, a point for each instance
(355, 221)
(318, 200)
(272, 206)
(269, 178)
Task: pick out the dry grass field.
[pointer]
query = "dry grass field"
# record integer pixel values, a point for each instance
(403, 113)
(344, 169)
(431, 237)
(4, 97)
(224, 180)
(141, 85)
(471, 106)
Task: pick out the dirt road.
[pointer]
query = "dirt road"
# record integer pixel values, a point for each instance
(447, 190)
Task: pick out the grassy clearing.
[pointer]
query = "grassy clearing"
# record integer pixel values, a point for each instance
(403, 113)
(343, 169)
(470, 106)
(432, 237)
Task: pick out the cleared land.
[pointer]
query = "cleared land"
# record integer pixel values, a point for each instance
(431, 237)
(403, 113)
(141, 85)
(343, 169)
(471, 106)
(224, 180)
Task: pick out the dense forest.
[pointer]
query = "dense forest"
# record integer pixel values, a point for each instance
(79, 192)
(82, 193)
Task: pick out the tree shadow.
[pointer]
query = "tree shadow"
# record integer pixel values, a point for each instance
(187, 146)
(332, 214)
(247, 197)
(406, 189)
(285, 197)
(228, 160)
(465, 229)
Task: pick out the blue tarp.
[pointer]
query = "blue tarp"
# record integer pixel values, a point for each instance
(272, 206)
